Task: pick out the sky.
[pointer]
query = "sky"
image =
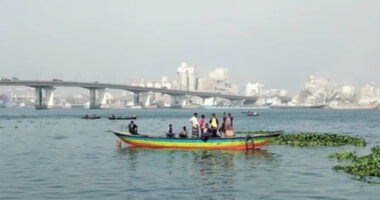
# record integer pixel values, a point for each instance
(279, 43)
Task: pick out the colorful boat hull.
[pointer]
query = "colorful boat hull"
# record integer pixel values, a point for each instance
(236, 143)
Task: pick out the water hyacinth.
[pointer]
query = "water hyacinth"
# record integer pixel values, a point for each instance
(344, 155)
(318, 139)
(311, 139)
(368, 165)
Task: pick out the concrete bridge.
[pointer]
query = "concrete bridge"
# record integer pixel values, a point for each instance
(45, 91)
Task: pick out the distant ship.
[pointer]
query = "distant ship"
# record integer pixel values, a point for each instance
(354, 107)
(220, 107)
(233, 107)
(289, 106)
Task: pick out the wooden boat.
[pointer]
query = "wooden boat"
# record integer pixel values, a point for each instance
(91, 117)
(236, 143)
(122, 118)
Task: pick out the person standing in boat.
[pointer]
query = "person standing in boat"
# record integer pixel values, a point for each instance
(132, 128)
(170, 133)
(229, 126)
(214, 125)
(206, 133)
(202, 123)
(222, 129)
(183, 133)
(194, 126)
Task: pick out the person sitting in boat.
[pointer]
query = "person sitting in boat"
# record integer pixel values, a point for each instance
(183, 133)
(170, 133)
(132, 128)
(86, 116)
(214, 125)
(113, 116)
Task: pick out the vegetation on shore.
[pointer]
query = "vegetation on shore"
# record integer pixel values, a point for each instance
(368, 165)
(311, 139)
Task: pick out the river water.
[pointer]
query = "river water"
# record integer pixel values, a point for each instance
(53, 154)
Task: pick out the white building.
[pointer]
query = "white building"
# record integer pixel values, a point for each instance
(187, 77)
(218, 74)
(205, 84)
(320, 90)
(345, 93)
(317, 90)
(275, 92)
(166, 83)
(370, 93)
(217, 81)
(254, 89)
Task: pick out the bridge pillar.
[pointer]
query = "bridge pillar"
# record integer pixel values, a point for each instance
(237, 102)
(93, 99)
(101, 101)
(136, 98)
(209, 101)
(49, 97)
(178, 101)
(97, 98)
(38, 102)
(203, 100)
(44, 101)
(213, 101)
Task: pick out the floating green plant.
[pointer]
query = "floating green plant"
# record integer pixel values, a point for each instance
(344, 155)
(311, 139)
(318, 139)
(368, 165)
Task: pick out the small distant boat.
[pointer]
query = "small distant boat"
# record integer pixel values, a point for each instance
(235, 143)
(91, 117)
(122, 118)
(252, 114)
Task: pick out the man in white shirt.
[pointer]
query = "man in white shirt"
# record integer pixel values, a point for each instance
(194, 126)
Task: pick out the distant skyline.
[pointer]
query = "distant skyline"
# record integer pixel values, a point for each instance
(278, 43)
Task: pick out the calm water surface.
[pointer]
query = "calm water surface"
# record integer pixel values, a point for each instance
(53, 154)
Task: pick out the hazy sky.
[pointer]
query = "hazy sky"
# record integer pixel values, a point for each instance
(278, 42)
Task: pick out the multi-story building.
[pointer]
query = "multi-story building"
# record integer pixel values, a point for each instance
(320, 90)
(275, 92)
(205, 84)
(187, 77)
(254, 89)
(317, 90)
(217, 81)
(370, 93)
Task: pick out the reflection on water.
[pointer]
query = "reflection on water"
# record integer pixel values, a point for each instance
(213, 172)
(212, 163)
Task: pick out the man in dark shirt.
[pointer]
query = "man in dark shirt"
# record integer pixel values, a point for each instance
(132, 128)
(170, 133)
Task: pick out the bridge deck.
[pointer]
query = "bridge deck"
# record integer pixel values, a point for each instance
(137, 89)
